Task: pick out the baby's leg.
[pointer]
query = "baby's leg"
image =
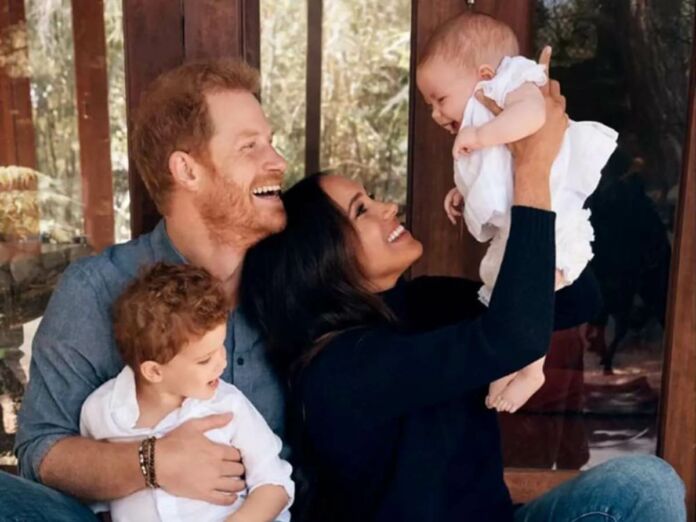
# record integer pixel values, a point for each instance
(495, 389)
(525, 384)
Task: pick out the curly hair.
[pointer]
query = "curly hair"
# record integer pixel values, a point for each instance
(164, 308)
(173, 115)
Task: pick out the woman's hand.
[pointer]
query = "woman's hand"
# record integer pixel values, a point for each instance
(534, 154)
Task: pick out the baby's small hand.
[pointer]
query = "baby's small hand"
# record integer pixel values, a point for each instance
(467, 140)
(453, 205)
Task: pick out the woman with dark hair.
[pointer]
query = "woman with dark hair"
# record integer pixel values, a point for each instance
(388, 378)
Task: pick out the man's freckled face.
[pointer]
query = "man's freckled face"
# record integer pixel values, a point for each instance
(446, 88)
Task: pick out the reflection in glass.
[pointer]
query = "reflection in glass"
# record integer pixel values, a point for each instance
(625, 64)
(41, 212)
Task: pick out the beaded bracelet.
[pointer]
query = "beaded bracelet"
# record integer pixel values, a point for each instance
(146, 458)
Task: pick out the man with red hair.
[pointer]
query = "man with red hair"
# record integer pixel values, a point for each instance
(204, 149)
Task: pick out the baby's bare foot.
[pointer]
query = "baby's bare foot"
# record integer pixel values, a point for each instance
(518, 391)
(496, 388)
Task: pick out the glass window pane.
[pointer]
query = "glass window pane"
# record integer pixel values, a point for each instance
(283, 78)
(625, 64)
(41, 209)
(365, 93)
(364, 88)
(52, 69)
(113, 25)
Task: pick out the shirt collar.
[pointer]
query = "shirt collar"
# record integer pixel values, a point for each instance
(124, 403)
(245, 335)
(396, 299)
(126, 412)
(163, 247)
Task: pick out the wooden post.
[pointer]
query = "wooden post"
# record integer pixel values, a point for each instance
(215, 29)
(17, 141)
(154, 43)
(161, 35)
(91, 85)
(315, 15)
(678, 419)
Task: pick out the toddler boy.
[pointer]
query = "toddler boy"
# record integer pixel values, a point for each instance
(170, 326)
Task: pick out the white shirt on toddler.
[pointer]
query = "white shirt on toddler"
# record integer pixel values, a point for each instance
(111, 412)
(485, 179)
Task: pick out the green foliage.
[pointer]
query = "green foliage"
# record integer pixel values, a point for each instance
(113, 25)
(365, 90)
(283, 66)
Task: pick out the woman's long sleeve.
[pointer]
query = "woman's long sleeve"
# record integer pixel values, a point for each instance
(373, 375)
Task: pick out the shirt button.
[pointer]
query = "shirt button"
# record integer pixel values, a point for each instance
(240, 361)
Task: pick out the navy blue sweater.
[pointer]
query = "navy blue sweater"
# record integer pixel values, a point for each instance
(395, 420)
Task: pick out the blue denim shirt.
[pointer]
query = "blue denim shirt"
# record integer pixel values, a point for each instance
(74, 350)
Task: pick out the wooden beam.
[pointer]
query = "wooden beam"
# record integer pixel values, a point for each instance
(161, 35)
(154, 43)
(251, 37)
(315, 17)
(18, 144)
(448, 250)
(525, 484)
(92, 93)
(677, 442)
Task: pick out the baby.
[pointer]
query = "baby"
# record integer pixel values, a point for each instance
(476, 52)
(170, 326)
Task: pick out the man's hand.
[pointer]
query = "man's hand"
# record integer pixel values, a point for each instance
(542, 147)
(188, 464)
(534, 155)
(467, 140)
(453, 205)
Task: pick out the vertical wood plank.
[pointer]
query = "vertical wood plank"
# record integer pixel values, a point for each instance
(8, 140)
(212, 29)
(163, 34)
(216, 29)
(18, 145)
(91, 85)
(154, 43)
(251, 37)
(678, 411)
(315, 17)
(448, 250)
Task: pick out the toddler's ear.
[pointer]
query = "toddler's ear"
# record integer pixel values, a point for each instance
(486, 72)
(151, 371)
